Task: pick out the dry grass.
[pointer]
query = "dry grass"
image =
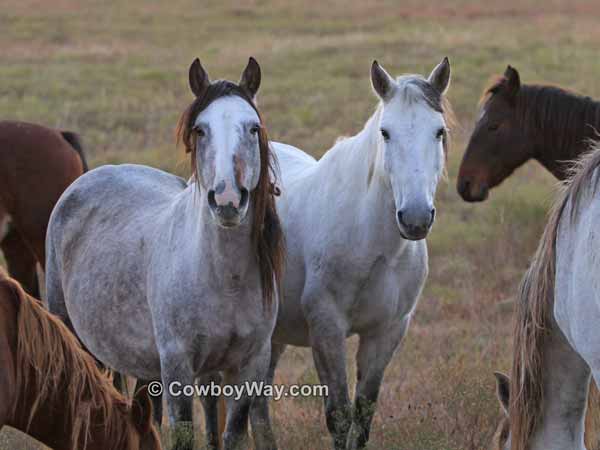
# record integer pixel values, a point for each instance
(116, 72)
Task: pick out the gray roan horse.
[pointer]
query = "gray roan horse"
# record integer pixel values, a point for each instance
(166, 280)
(355, 223)
(557, 343)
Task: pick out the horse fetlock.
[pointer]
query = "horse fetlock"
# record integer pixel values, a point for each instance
(339, 421)
(182, 436)
(364, 410)
(235, 441)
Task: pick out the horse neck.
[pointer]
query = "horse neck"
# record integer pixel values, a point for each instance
(565, 389)
(559, 125)
(353, 170)
(225, 252)
(51, 424)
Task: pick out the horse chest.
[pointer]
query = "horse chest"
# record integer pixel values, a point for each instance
(388, 291)
(379, 299)
(221, 328)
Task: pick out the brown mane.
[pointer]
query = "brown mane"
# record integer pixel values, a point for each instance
(535, 302)
(52, 369)
(561, 121)
(267, 236)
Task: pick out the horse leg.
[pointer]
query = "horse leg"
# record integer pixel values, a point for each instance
(212, 412)
(259, 412)
(176, 371)
(328, 342)
(20, 261)
(238, 409)
(375, 351)
(157, 404)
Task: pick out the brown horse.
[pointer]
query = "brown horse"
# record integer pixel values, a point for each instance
(51, 389)
(522, 122)
(36, 165)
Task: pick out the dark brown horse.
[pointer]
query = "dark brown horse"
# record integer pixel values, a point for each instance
(51, 389)
(36, 165)
(522, 122)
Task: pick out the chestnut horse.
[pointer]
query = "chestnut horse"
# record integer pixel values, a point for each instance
(519, 122)
(51, 389)
(36, 165)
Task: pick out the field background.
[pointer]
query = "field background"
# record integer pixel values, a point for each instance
(116, 72)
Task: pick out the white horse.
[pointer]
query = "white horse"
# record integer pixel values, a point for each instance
(166, 280)
(557, 334)
(355, 224)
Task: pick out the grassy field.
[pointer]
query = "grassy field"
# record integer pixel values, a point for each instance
(116, 72)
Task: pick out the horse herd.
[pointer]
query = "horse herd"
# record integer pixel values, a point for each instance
(209, 279)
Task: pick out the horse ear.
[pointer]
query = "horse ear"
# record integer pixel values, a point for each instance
(513, 80)
(199, 80)
(250, 80)
(383, 83)
(141, 411)
(503, 391)
(439, 77)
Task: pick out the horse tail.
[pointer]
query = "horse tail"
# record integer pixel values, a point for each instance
(535, 304)
(75, 141)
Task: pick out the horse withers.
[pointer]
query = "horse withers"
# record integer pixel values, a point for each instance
(51, 389)
(36, 165)
(165, 280)
(518, 122)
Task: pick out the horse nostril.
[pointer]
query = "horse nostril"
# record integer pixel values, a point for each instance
(244, 199)
(464, 186)
(211, 199)
(400, 220)
(432, 217)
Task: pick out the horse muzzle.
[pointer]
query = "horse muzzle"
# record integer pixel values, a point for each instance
(415, 225)
(472, 191)
(228, 207)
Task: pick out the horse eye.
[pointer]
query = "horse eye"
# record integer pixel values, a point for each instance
(440, 133)
(494, 127)
(199, 131)
(385, 134)
(255, 129)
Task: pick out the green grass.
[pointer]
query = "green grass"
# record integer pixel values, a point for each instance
(116, 72)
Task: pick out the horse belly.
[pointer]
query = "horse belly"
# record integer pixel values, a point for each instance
(291, 327)
(120, 336)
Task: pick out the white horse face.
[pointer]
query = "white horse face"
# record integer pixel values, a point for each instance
(412, 136)
(228, 131)
(228, 157)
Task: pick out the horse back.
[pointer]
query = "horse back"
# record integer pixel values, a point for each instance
(107, 200)
(35, 156)
(36, 165)
(292, 161)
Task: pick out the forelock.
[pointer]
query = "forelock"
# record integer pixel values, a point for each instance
(416, 89)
